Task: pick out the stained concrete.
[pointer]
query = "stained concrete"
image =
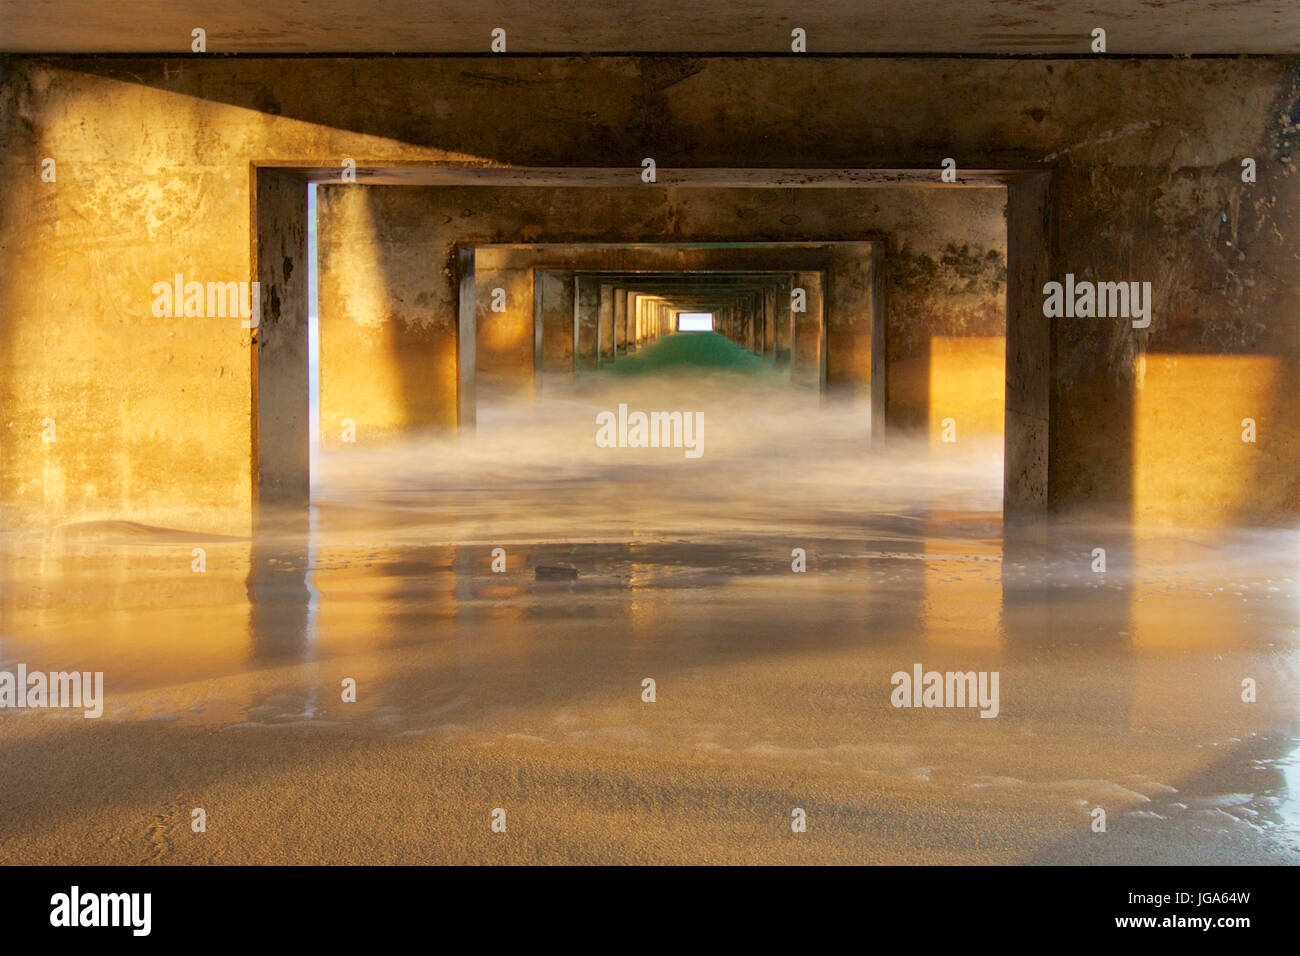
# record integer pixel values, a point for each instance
(670, 26)
(281, 446)
(1026, 479)
(154, 178)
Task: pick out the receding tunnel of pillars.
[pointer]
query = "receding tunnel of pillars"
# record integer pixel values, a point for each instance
(550, 311)
(617, 313)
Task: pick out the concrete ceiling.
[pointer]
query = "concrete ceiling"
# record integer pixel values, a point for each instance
(651, 26)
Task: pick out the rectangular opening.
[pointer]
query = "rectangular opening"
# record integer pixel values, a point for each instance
(931, 383)
(694, 321)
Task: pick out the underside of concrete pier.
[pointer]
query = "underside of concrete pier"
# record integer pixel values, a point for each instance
(345, 344)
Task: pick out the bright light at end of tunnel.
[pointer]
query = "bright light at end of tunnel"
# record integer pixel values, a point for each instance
(694, 321)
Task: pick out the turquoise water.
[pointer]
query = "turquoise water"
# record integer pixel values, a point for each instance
(690, 352)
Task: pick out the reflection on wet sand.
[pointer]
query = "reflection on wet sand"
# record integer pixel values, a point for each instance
(475, 689)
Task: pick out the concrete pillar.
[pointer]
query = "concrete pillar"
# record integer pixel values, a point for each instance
(630, 318)
(783, 334)
(751, 323)
(554, 321)
(505, 319)
(808, 359)
(466, 345)
(879, 355)
(606, 325)
(768, 320)
(1026, 450)
(280, 435)
(586, 321)
(850, 320)
(620, 321)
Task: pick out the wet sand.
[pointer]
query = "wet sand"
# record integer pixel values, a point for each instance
(478, 690)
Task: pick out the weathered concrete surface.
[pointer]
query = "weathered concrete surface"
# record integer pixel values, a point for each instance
(387, 322)
(808, 336)
(586, 321)
(554, 293)
(466, 342)
(941, 286)
(607, 335)
(667, 26)
(1028, 349)
(621, 311)
(281, 440)
(153, 158)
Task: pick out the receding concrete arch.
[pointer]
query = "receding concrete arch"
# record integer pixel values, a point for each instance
(1030, 246)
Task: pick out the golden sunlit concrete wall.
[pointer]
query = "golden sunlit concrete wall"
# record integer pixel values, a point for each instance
(946, 338)
(960, 383)
(961, 379)
(1210, 430)
(387, 328)
(152, 415)
(148, 414)
(967, 377)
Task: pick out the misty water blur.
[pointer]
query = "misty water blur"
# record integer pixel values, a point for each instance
(1120, 687)
(776, 459)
